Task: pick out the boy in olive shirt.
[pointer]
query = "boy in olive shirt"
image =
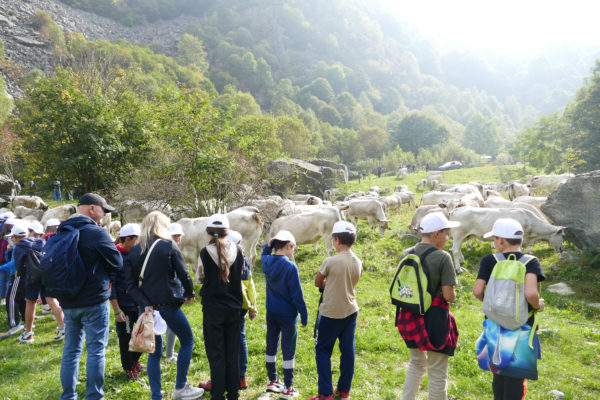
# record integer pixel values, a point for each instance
(338, 277)
(426, 336)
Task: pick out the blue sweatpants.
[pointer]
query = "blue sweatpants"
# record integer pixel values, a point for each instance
(286, 334)
(328, 331)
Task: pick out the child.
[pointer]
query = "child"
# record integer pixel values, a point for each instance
(284, 301)
(338, 277)
(176, 232)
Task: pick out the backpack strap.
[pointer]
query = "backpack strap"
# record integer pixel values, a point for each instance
(499, 257)
(426, 269)
(525, 258)
(141, 278)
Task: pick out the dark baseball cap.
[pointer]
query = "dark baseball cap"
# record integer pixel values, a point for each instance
(96, 200)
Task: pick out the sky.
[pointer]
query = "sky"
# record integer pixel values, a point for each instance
(512, 27)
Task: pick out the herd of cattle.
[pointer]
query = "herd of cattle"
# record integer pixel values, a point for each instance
(475, 205)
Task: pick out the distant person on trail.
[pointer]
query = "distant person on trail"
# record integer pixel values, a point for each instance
(510, 378)
(56, 193)
(379, 171)
(338, 277)
(427, 167)
(431, 338)
(87, 314)
(284, 301)
(32, 188)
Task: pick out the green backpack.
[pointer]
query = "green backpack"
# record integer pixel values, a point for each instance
(409, 288)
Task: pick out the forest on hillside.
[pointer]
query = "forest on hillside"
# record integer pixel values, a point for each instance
(257, 80)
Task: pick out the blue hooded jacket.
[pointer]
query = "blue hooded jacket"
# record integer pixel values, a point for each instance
(284, 292)
(100, 257)
(20, 253)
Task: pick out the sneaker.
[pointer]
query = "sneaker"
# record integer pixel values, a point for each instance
(26, 337)
(188, 392)
(342, 395)
(15, 329)
(131, 374)
(3, 302)
(275, 387)
(206, 385)
(289, 393)
(60, 334)
(171, 359)
(243, 384)
(46, 309)
(321, 397)
(138, 367)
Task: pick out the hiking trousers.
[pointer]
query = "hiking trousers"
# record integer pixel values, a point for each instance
(436, 365)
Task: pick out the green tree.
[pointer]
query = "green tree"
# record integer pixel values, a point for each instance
(237, 102)
(416, 131)
(6, 103)
(295, 138)
(190, 51)
(481, 135)
(80, 133)
(375, 141)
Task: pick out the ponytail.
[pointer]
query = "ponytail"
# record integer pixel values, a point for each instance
(218, 238)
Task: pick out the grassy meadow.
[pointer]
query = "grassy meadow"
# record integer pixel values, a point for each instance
(570, 327)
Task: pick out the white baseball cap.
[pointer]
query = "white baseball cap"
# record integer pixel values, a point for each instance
(285, 236)
(7, 215)
(36, 227)
(130, 230)
(343, 227)
(234, 236)
(18, 229)
(175, 229)
(507, 228)
(52, 222)
(12, 221)
(218, 221)
(436, 221)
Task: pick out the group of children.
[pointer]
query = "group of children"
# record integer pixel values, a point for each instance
(228, 296)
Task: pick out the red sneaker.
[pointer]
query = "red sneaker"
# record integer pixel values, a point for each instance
(243, 384)
(206, 385)
(132, 374)
(321, 397)
(343, 395)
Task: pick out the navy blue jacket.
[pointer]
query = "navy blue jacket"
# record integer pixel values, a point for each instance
(160, 285)
(20, 253)
(100, 257)
(284, 292)
(119, 283)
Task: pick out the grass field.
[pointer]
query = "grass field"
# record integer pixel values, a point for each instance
(570, 328)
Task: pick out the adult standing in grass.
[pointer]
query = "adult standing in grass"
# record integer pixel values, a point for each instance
(87, 314)
(285, 300)
(155, 263)
(431, 338)
(222, 301)
(124, 308)
(510, 381)
(338, 277)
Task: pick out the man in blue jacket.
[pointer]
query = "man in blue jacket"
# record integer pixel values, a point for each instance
(87, 314)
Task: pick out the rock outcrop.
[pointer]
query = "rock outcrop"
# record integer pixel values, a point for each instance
(576, 206)
(299, 176)
(7, 190)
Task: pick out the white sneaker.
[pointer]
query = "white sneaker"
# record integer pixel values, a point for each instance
(60, 334)
(3, 302)
(171, 359)
(15, 329)
(26, 337)
(46, 309)
(188, 392)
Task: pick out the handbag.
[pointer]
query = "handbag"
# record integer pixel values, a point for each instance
(142, 335)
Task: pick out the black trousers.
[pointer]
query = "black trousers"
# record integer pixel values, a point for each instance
(222, 345)
(15, 301)
(128, 358)
(509, 388)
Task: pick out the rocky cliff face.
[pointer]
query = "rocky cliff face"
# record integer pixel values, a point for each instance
(26, 49)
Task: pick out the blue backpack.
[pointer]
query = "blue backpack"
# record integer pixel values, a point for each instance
(63, 271)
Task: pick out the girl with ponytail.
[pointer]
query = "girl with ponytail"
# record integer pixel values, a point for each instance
(222, 303)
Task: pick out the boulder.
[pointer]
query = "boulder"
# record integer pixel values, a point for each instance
(560, 288)
(339, 169)
(576, 206)
(557, 394)
(299, 176)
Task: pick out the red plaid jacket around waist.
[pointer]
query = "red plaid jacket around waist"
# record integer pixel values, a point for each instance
(412, 327)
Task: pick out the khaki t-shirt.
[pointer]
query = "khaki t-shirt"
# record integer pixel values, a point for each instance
(342, 271)
(440, 267)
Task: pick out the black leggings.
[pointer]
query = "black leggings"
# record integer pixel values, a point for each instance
(509, 388)
(128, 358)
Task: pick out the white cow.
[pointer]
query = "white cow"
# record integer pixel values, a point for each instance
(22, 212)
(369, 209)
(309, 227)
(436, 197)
(407, 197)
(500, 202)
(271, 207)
(402, 172)
(33, 202)
(422, 185)
(135, 210)
(400, 188)
(478, 221)
(471, 199)
(114, 227)
(516, 189)
(534, 201)
(434, 184)
(375, 189)
(435, 175)
(392, 202)
(330, 194)
(246, 220)
(421, 212)
(314, 201)
(61, 213)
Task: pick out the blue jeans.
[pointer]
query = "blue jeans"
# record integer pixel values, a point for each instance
(92, 323)
(243, 345)
(178, 323)
(328, 331)
(4, 283)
